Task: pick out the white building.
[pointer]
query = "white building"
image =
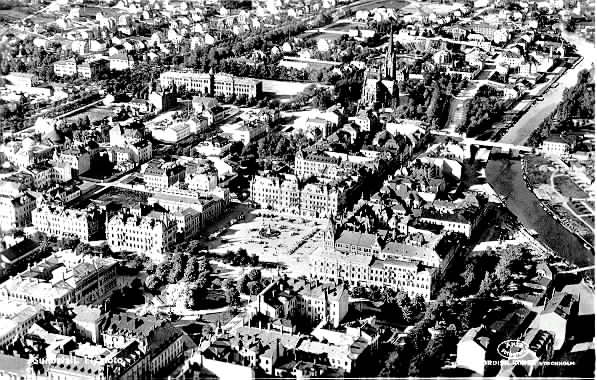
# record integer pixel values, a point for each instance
(54, 220)
(146, 235)
(172, 132)
(15, 211)
(555, 146)
(61, 279)
(16, 318)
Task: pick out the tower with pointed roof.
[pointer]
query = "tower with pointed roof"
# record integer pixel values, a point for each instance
(330, 233)
(390, 59)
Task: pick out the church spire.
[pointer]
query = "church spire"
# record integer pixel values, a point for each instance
(390, 62)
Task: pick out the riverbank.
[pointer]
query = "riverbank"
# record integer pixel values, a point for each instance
(519, 133)
(505, 176)
(548, 206)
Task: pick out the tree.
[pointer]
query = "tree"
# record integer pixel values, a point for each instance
(191, 272)
(488, 285)
(190, 298)
(419, 304)
(83, 249)
(69, 242)
(178, 267)
(152, 282)
(254, 287)
(163, 270)
(232, 296)
(418, 336)
(204, 271)
(469, 275)
(255, 275)
(358, 291)
(242, 284)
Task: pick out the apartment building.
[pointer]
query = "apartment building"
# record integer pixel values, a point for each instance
(120, 62)
(253, 348)
(287, 194)
(325, 353)
(16, 211)
(316, 164)
(159, 339)
(16, 317)
(49, 173)
(121, 135)
(188, 222)
(17, 255)
(65, 68)
(172, 133)
(281, 193)
(310, 301)
(21, 80)
(93, 68)
(555, 146)
(212, 84)
(57, 220)
(142, 151)
(210, 208)
(27, 152)
(78, 158)
(74, 361)
(61, 279)
(461, 221)
(159, 174)
(319, 200)
(149, 234)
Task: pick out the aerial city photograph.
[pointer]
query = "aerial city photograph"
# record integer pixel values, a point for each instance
(297, 189)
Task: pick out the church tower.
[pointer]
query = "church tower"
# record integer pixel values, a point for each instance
(330, 234)
(390, 59)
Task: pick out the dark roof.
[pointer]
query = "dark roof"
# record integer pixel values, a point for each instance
(561, 304)
(18, 250)
(159, 333)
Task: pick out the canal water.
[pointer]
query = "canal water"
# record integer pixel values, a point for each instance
(505, 175)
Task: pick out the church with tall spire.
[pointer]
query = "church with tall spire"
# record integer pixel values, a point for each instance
(380, 87)
(389, 64)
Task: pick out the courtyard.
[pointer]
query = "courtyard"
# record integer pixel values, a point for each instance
(278, 241)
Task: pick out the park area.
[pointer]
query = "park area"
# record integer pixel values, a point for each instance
(538, 170)
(565, 198)
(565, 186)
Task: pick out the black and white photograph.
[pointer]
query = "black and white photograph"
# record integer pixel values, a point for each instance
(297, 189)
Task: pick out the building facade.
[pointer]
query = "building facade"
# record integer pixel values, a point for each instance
(15, 212)
(142, 234)
(16, 318)
(212, 84)
(61, 279)
(65, 68)
(365, 259)
(318, 165)
(55, 220)
(288, 195)
(161, 175)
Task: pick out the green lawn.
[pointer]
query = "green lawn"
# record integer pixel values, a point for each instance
(537, 171)
(568, 188)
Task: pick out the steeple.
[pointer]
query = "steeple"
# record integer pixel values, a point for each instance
(390, 61)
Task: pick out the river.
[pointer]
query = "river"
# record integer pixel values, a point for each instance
(506, 177)
(522, 130)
